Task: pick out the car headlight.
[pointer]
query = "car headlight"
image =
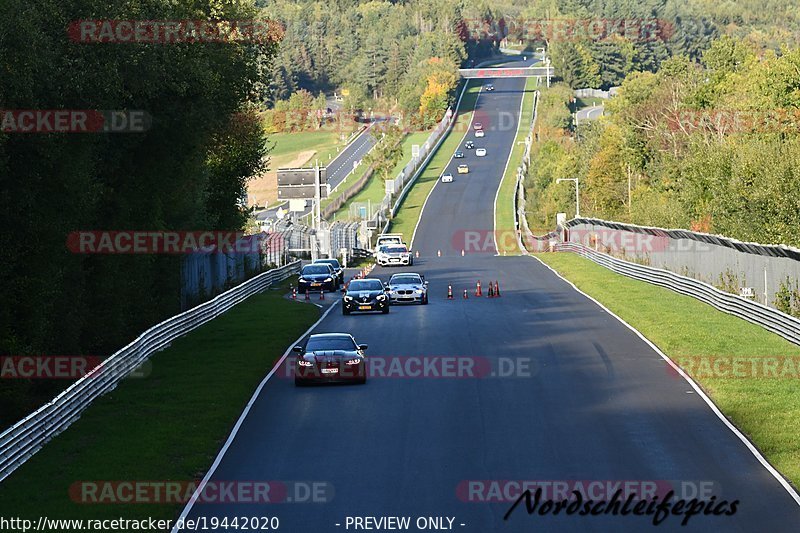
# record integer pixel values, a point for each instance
(302, 362)
(328, 279)
(381, 297)
(353, 362)
(348, 298)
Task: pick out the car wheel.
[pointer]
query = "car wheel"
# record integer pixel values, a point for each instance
(410, 261)
(345, 311)
(425, 300)
(385, 310)
(299, 382)
(362, 380)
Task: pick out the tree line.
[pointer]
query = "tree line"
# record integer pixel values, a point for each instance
(186, 172)
(710, 144)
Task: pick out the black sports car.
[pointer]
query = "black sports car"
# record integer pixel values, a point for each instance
(330, 357)
(365, 295)
(317, 277)
(458, 155)
(337, 268)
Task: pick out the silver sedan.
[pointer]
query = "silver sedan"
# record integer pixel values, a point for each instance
(407, 287)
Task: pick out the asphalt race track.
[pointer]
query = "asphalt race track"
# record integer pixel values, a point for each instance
(551, 389)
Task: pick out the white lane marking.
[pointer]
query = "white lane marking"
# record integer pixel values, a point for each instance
(438, 178)
(239, 422)
(756, 453)
(508, 162)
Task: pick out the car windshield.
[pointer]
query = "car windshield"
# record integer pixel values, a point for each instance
(397, 250)
(365, 285)
(407, 279)
(318, 344)
(316, 269)
(332, 262)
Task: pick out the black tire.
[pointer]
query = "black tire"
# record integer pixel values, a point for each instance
(300, 383)
(425, 300)
(385, 310)
(362, 381)
(410, 261)
(345, 311)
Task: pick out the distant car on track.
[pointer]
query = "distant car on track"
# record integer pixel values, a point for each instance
(395, 255)
(480, 152)
(477, 126)
(447, 178)
(330, 357)
(365, 295)
(408, 287)
(469, 145)
(480, 133)
(489, 87)
(458, 155)
(317, 277)
(463, 169)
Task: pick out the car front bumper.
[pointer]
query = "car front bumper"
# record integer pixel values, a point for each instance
(365, 307)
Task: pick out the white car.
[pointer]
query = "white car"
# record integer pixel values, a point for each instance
(489, 87)
(480, 152)
(394, 255)
(447, 178)
(408, 287)
(478, 126)
(480, 133)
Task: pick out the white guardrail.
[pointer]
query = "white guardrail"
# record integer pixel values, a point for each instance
(771, 319)
(25, 438)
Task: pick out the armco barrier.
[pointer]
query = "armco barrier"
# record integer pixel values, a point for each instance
(771, 319)
(21, 441)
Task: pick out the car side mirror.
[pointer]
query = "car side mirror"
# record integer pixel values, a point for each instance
(297, 349)
(363, 347)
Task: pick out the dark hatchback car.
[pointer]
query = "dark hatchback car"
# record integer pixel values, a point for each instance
(335, 265)
(330, 357)
(365, 295)
(317, 277)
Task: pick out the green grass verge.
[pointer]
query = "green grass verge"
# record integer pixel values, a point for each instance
(504, 208)
(168, 425)
(289, 144)
(411, 208)
(375, 190)
(766, 409)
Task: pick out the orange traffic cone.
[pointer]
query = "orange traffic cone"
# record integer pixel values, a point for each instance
(416, 255)
(294, 293)
(439, 253)
(322, 294)
(449, 292)
(307, 295)
(478, 292)
(462, 252)
(466, 294)
(496, 290)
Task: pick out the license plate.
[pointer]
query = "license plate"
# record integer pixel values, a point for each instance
(330, 370)
(316, 284)
(365, 307)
